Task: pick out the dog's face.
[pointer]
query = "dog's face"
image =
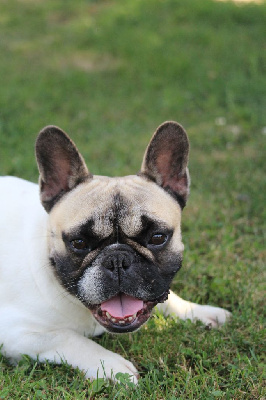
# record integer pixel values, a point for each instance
(115, 243)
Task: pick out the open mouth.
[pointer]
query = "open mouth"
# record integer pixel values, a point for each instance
(123, 313)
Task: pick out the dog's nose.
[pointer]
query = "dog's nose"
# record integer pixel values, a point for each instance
(117, 260)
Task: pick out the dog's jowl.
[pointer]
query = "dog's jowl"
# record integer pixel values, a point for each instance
(83, 254)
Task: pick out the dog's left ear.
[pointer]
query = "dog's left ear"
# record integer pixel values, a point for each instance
(166, 159)
(60, 164)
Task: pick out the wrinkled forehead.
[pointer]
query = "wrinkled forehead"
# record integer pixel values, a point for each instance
(105, 204)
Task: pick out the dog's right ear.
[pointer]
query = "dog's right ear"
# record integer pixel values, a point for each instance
(60, 164)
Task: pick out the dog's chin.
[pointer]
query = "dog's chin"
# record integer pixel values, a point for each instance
(128, 321)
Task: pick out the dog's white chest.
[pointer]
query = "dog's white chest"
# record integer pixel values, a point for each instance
(30, 296)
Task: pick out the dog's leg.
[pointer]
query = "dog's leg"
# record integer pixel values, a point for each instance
(66, 345)
(186, 310)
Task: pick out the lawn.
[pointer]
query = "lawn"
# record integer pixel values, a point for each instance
(108, 73)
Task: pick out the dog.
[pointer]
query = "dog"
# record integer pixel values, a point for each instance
(93, 254)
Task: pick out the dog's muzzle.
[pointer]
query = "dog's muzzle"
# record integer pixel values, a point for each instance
(126, 308)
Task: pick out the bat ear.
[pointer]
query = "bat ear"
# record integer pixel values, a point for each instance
(60, 164)
(166, 158)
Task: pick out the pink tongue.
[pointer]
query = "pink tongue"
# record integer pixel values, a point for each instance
(122, 306)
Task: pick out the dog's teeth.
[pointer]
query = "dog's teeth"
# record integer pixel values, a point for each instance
(120, 321)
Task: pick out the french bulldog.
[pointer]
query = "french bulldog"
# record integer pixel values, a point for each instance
(94, 254)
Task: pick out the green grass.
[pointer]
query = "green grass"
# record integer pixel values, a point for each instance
(109, 72)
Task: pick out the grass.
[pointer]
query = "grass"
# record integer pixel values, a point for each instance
(109, 72)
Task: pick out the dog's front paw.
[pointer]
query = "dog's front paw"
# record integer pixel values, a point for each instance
(183, 309)
(111, 366)
(210, 315)
(91, 358)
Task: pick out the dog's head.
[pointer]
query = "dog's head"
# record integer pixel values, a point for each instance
(115, 243)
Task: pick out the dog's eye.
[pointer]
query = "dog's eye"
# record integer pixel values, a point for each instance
(158, 239)
(79, 244)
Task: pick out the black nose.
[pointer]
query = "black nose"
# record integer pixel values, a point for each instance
(117, 260)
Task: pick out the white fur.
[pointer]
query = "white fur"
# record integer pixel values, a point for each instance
(37, 316)
(183, 309)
